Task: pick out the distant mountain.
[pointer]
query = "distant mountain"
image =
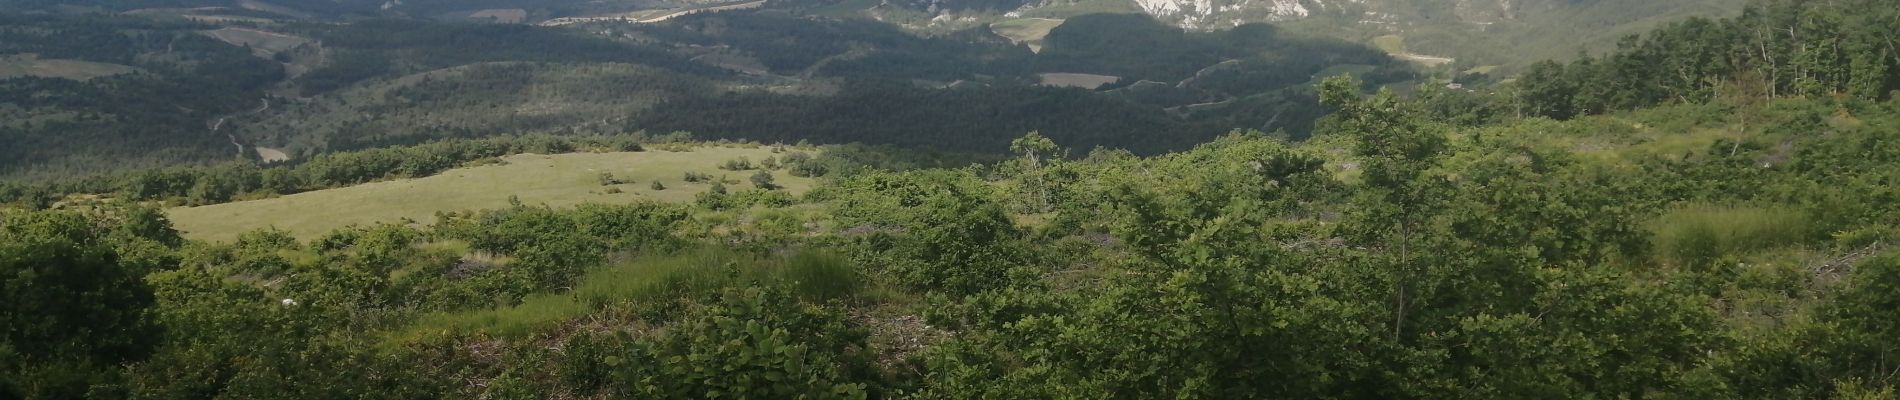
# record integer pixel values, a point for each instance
(1474, 32)
(1457, 33)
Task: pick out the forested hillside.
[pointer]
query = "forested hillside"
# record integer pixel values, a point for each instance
(159, 111)
(1778, 49)
(283, 89)
(1687, 217)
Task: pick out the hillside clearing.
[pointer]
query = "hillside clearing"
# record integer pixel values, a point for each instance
(263, 43)
(1395, 46)
(270, 155)
(554, 180)
(1085, 81)
(303, 53)
(500, 15)
(1028, 31)
(14, 66)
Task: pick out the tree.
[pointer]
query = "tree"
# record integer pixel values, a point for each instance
(1033, 146)
(71, 310)
(1544, 91)
(953, 237)
(1396, 150)
(1863, 322)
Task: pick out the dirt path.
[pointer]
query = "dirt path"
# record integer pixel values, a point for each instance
(1203, 72)
(219, 124)
(628, 17)
(848, 54)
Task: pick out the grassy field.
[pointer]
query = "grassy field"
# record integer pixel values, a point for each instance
(210, 15)
(1395, 45)
(501, 15)
(1082, 7)
(1085, 81)
(268, 45)
(263, 43)
(554, 180)
(15, 66)
(1028, 31)
(1391, 44)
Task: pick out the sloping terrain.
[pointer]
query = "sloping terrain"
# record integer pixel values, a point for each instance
(1482, 32)
(470, 101)
(70, 107)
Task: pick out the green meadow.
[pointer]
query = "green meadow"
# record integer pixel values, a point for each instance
(561, 180)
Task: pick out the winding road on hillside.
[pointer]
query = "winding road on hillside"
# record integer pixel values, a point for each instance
(219, 124)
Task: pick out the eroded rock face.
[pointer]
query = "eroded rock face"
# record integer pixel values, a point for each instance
(1211, 14)
(1216, 13)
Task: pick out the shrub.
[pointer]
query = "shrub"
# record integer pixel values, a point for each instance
(763, 180)
(738, 164)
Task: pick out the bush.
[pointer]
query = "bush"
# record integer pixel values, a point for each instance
(746, 343)
(762, 197)
(738, 164)
(695, 274)
(608, 179)
(763, 180)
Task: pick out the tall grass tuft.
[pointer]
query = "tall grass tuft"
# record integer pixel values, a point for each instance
(690, 274)
(533, 314)
(1698, 234)
(818, 276)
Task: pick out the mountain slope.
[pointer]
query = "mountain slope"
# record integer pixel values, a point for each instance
(1476, 32)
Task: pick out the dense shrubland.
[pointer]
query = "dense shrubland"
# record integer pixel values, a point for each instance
(1427, 247)
(1394, 255)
